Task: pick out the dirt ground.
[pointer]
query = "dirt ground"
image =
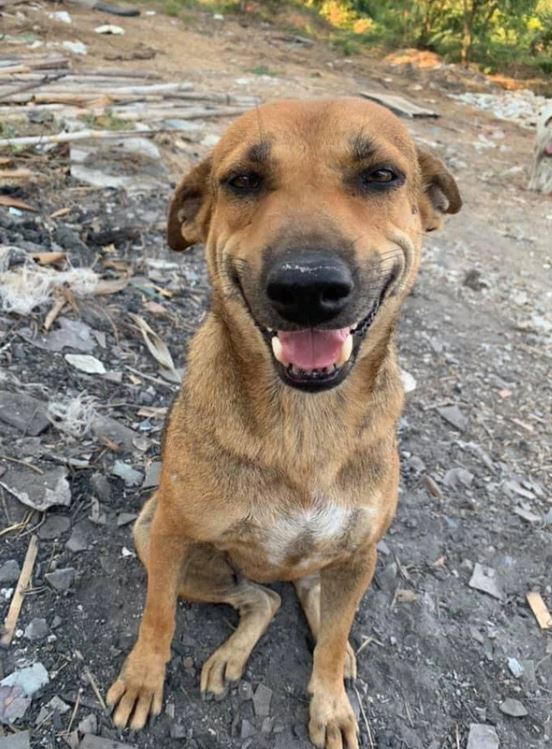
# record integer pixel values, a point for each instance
(435, 655)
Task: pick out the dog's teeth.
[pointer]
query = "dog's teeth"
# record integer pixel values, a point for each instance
(278, 351)
(346, 351)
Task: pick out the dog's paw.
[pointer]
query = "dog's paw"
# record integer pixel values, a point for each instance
(350, 665)
(138, 692)
(332, 722)
(221, 669)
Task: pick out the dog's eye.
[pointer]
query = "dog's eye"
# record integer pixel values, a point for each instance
(247, 182)
(380, 179)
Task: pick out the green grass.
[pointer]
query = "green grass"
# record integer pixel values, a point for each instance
(263, 70)
(107, 121)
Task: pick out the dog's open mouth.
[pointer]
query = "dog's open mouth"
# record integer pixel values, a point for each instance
(314, 359)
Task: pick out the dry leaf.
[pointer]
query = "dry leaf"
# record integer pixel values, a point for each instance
(157, 348)
(111, 287)
(10, 202)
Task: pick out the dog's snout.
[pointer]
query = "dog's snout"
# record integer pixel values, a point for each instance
(309, 288)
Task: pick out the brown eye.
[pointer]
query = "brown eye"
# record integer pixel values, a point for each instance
(382, 178)
(245, 182)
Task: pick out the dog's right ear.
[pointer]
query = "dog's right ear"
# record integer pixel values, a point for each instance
(190, 209)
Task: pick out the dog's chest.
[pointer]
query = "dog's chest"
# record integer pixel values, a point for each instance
(295, 540)
(306, 529)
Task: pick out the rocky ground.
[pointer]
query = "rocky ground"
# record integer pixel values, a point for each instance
(450, 654)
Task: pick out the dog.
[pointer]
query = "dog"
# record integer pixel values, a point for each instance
(541, 170)
(279, 458)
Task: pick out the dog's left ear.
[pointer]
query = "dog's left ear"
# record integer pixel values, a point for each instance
(190, 209)
(439, 191)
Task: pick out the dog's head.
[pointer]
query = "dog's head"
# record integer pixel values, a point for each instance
(312, 214)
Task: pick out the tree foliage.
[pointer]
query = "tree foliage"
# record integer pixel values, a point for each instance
(496, 33)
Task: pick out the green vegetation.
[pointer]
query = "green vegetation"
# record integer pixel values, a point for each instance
(507, 35)
(264, 70)
(107, 121)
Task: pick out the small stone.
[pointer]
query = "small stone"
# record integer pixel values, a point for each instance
(458, 478)
(124, 518)
(53, 527)
(482, 736)
(515, 667)
(101, 486)
(261, 701)
(77, 541)
(247, 729)
(408, 381)
(88, 724)
(61, 580)
(13, 704)
(105, 426)
(178, 731)
(26, 414)
(39, 491)
(454, 416)
(98, 742)
(19, 740)
(130, 476)
(514, 708)
(29, 679)
(152, 476)
(485, 580)
(57, 704)
(9, 571)
(267, 725)
(37, 629)
(86, 363)
(245, 691)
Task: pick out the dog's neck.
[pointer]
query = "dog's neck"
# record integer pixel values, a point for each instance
(232, 389)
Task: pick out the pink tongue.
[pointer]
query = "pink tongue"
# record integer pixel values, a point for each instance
(312, 349)
(548, 149)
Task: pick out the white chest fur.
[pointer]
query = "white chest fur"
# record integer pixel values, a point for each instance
(313, 527)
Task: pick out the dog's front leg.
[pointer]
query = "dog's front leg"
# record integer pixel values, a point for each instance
(332, 722)
(138, 692)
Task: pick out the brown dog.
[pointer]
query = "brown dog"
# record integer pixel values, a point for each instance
(280, 459)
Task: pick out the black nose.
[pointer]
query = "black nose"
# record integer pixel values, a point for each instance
(309, 287)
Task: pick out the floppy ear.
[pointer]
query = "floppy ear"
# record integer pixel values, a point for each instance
(190, 208)
(439, 191)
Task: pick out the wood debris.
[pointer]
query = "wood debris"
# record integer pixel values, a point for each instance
(399, 105)
(540, 610)
(19, 595)
(47, 86)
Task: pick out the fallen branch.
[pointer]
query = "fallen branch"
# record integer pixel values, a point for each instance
(38, 140)
(19, 594)
(33, 84)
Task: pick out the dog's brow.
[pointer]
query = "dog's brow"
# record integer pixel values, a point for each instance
(362, 147)
(259, 152)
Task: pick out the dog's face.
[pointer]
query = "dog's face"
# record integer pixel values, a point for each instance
(312, 214)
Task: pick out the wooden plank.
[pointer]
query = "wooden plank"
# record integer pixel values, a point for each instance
(398, 105)
(540, 610)
(23, 584)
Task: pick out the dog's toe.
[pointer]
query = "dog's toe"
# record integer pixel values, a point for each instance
(220, 670)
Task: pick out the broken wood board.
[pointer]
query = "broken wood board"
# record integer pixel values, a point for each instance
(540, 610)
(19, 595)
(398, 105)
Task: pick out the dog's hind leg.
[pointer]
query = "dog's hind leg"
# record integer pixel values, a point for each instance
(308, 593)
(210, 579)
